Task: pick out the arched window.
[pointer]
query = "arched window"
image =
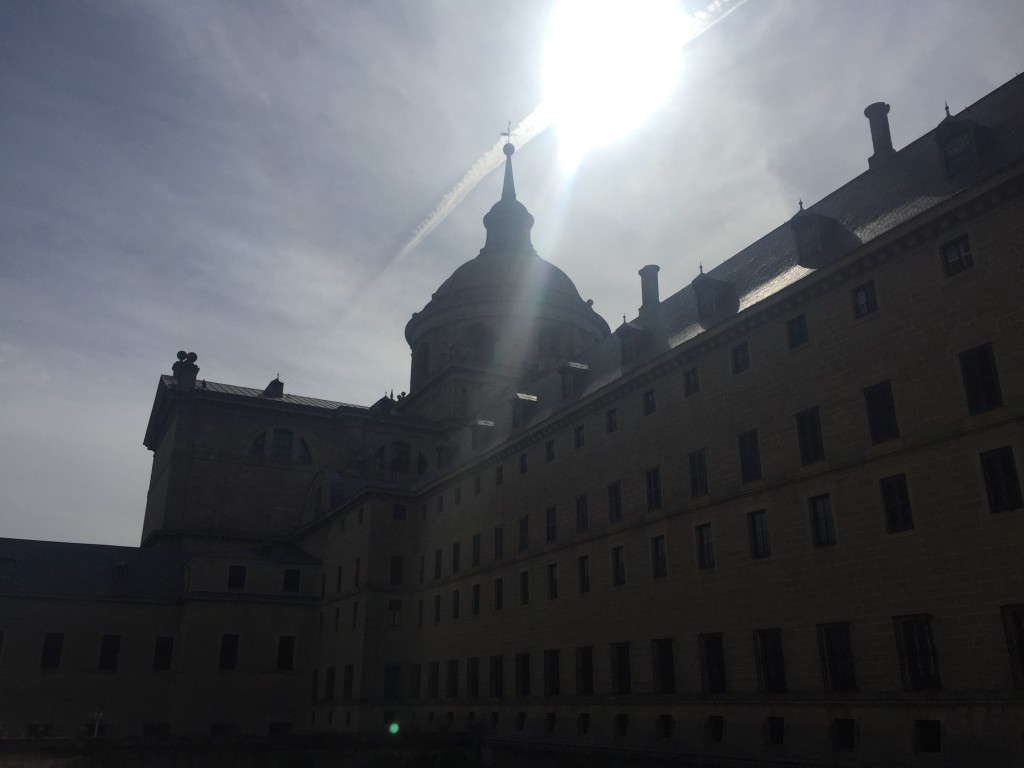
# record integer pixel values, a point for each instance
(284, 448)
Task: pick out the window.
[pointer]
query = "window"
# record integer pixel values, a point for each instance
(419, 613)
(499, 542)
(585, 670)
(475, 550)
(611, 420)
(615, 502)
(659, 561)
(1013, 622)
(771, 674)
(664, 666)
(392, 682)
(236, 577)
(1001, 483)
(422, 570)
(477, 485)
(110, 650)
(355, 613)
(740, 357)
(522, 674)
(622, 679)
(917, 653)
(981, 379)
(653, 489)
(256, 449)
(499, 474)
(549, 450)
(163, 654)
(864, 300)
(757, 528)
(473, 677)
(394, 613)
(476, 599)
(456, 557)
(499, 594)
(808, 432)
(399, 512)
(437, 563)
(496, 683)
(397, 575)
(286, 653)
(281, 445)
(458, 495)
(836, 657)
(329, 678)
(292, 580)
(897, 503)
(434, 680)
(620, 724)
(927, 736)
(796, 331)
(844, 733)
(524, 587)
(451, 679)
(705, 546)
(698, 474)
(583, 573)
(579, 436)
(712, 662)
(437, 609)
(228, 658)
(956, 256)
(337, 584)
(347, 682)
(648, 406)
(582, 518)
(524, 463)
(552, 581)
(881, 412)
(750, 456)
(714, 729)
(774, 730)
(691, 382)
(524, 533)
(552, 682)
(618, 566)
(415, 681)
(550, 524)
(823, 531)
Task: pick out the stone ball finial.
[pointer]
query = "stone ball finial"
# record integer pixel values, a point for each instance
(182, 354)
(508, 149)
(191, 357)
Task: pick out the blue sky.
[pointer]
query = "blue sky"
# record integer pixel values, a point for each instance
(237, 178)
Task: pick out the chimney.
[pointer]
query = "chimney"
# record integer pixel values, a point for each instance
(878, 115)
(649, 289)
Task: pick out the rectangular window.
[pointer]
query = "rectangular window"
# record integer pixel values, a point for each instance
(712, 662)
(329, 679)
(499, 542)
(110, 651)
(355, 576)
(451, 679)
(836, 657)
(524, 587)
(615, 502)
(757, 528)
(750, 456)
(281, 445)
(771, 672)
(392, 681)
(698, 474)
(475, 550)
(653, 489)
(796, 331)
(896, 501)
(292, 580)
(522, 674)
(740, 357)
(475, 600)
(611, 420)
(473, 677)
(434, 680)
(415, 681)
(622, 677)
(499, 594)
(664, 666)
(477, 485)
(808, 432)
(236, 577)
(864, 300)
(550, 524)
(524, 463)
(1013, 622)
(549, 450)
(691, 382)
(584, 670)
(583, 573)
(1001, 481)
(579, 436)
(496, 682)
(705, 546)
(163, 654)
(285, 653)
(455, 604)
(437, 609)
(355, 614)
(648, 405)
(582, 517)
(552, 581)
(458, 494)
(981, 379)
(618, 566)
(881, 412)
(499, 474)
(552, 673)
(348, 677)
(337, 582)
(456, 557)
(399, 512)
(394, 613)
(823, 531)
(397, 575)
(228, 658)
(956, 256)
(524, 533)
(437, 563)
(659, 560)
(917, 653)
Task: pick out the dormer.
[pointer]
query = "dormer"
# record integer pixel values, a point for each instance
(523, 406)
(634, 340)
(820, 239)
(574, 378)
(716, 299)
(958, 137)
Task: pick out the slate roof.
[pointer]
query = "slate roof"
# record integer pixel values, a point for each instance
(237, 391)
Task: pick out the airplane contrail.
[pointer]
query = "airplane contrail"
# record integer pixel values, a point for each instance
(528, 129)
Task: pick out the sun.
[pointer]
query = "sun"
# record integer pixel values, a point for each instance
(608, 64)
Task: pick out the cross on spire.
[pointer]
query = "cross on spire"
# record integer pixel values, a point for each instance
(507, 133)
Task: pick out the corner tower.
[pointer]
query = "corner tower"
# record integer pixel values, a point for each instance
(503, 316)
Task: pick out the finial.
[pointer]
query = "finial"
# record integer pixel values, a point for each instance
(700, 266)
(623, 318)
(947, 109)
(801, 202)
(508, 149)
(508, 189)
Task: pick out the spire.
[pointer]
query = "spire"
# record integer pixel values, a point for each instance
(508, 223)
(508, 189)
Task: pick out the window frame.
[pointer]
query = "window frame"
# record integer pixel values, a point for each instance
(865, 299)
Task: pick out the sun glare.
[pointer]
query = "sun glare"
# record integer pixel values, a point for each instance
(608, 64)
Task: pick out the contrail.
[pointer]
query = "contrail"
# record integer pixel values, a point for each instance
(530, 127)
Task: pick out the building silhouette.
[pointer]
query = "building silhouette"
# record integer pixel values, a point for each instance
(776, 517)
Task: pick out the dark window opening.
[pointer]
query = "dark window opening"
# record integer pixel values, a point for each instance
(981, 379)
(796, 331)
(771, 672)
(740, 357)
(836, 657)
(698, 474)
(918, 659)
(712, 662)
(1002, 485)
(823, 531)
(110, 651)
(808, 431)
(956, 256)
(750, 456)
(757, 528)
(864, 300)
(896, 502)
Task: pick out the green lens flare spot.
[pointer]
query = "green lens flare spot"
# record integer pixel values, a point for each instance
(393, 729)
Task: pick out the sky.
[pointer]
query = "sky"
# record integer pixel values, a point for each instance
(243, 179)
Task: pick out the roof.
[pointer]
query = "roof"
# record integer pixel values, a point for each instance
(237, 391)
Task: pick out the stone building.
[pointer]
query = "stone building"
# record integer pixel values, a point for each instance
(776, 517)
